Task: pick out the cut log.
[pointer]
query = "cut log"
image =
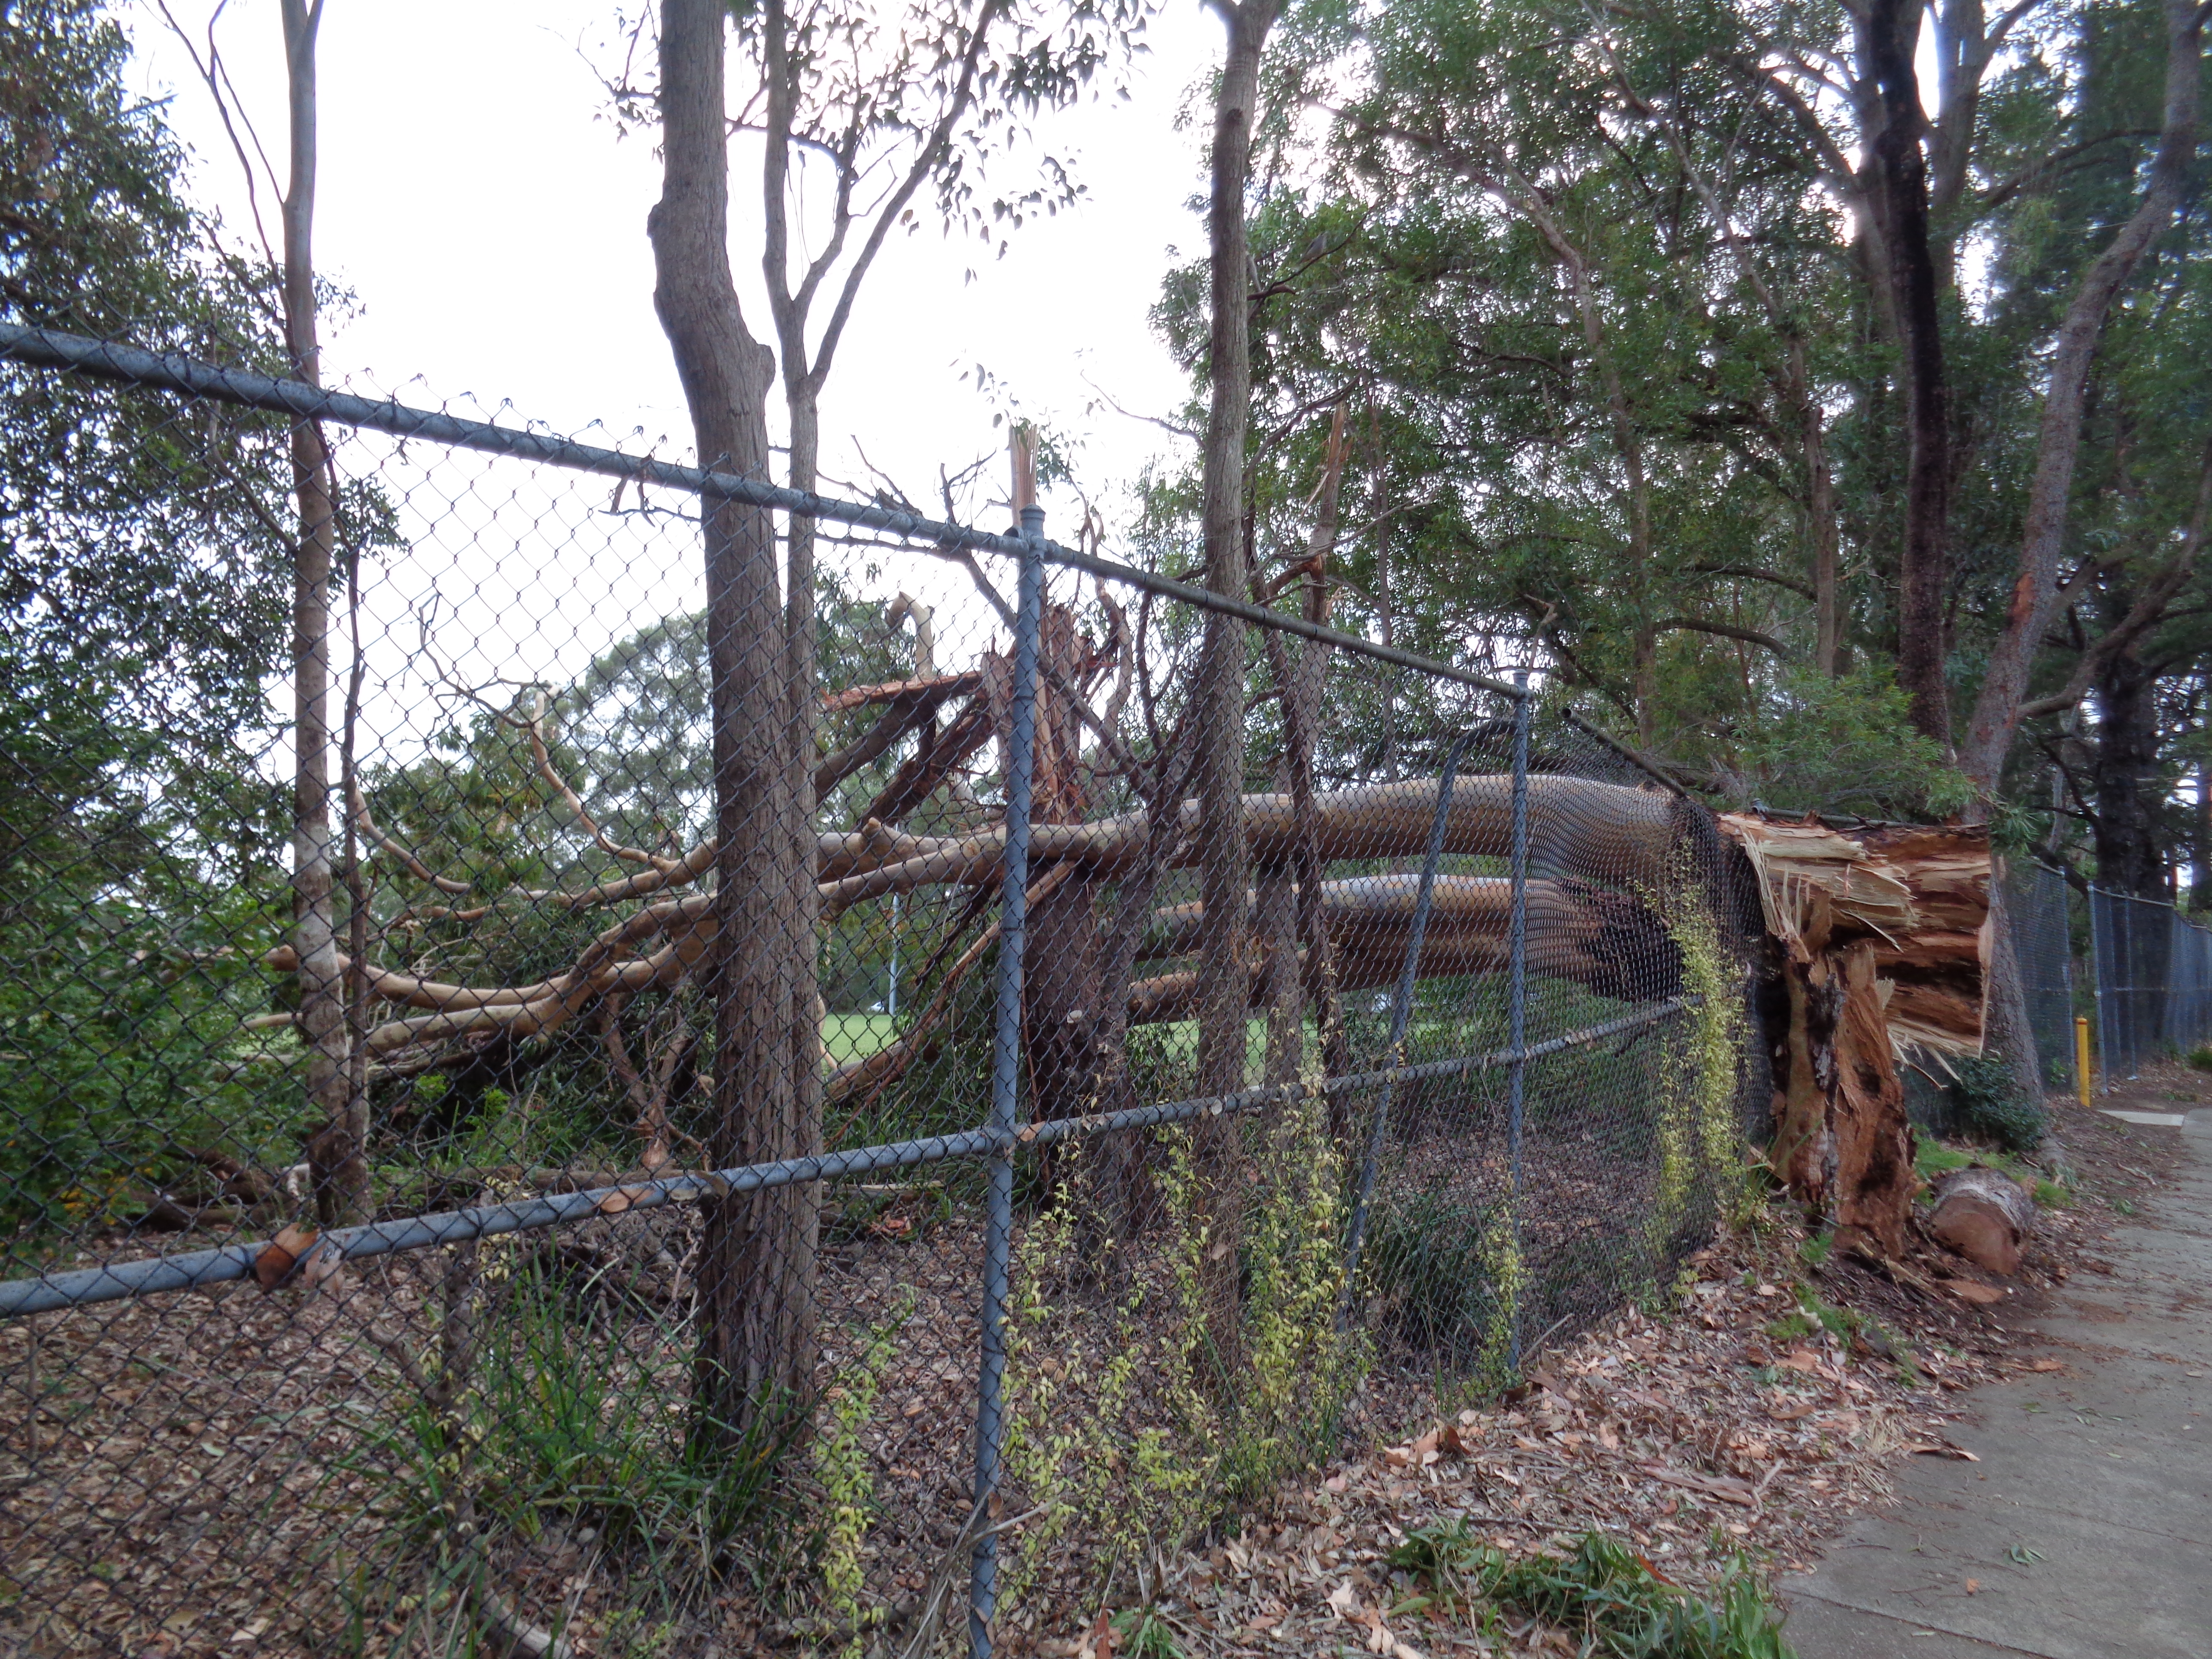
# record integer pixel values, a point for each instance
(1984, 1216)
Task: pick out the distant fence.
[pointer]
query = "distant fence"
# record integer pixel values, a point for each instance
(2153, 977)
(673, 1196)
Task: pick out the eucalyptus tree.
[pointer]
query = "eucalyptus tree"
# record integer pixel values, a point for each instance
(912, 104)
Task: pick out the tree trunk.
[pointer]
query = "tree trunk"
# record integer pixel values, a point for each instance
(336, 1149)
(2128, 780)
(755, 1356)
(1220, 735)
(1820, 516)
(2004, 683)
(2007, 1032)
(1288, 914)
(1897, 195)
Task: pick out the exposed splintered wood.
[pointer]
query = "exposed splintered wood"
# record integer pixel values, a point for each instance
(1918, 894)
(1984, 1216)
(1884, 937)
(1872, 1140)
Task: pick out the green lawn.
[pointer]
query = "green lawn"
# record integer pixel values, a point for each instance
(855, 1037)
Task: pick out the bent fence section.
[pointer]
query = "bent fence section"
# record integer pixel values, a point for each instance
(850, 1121)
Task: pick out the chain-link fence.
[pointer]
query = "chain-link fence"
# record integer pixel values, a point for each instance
(2037, 907)
(594, 1098)
(2153, 970)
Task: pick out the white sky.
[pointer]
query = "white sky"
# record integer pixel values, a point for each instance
(482, 207)
(490, 220)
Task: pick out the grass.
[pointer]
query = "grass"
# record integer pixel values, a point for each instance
(558, 1421)
(1616, 1602)
(1931, 1158)
(1815, 1315)
(855, 1037)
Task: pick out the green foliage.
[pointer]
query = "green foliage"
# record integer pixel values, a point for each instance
(2200, 1058)
(1142, 1633)
(1428, 1260)
(1931, 1158)
(1700, 1131)
(1603, 1594)
(563, 1412)
(1992, 1104)
(1815, 742)
(847, 1474)
(120, 1049)
(2053, 1195)
(1120, 1431)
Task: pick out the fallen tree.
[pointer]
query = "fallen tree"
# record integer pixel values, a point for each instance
(1580, 829)
(1882, 933)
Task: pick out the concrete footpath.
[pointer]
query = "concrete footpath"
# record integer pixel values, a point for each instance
(2085, 1531)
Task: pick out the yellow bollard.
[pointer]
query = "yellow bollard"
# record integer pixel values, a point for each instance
(2082, 1057)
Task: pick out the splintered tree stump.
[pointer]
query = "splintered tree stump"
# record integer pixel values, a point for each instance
(1984, 1216)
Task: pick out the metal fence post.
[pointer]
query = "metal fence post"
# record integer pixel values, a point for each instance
(1402, 1007)
(2101, 966)
(1517, 982)
(1005, 1073)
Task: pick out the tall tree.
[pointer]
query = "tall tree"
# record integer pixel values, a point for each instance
(2005, 683)
(1219, 735)
(1894, 133)
(757, 1341)
(338, 1149)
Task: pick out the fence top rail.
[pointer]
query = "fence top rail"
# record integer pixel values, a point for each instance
(43, 347)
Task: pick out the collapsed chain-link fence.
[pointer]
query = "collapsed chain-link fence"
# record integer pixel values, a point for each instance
(659, 1114)
(2153, 981)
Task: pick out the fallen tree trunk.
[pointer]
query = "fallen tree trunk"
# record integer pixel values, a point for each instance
(1984, 1216)
(1605, 941)
(1605, 832)
(1580, 829)
(1884, 939)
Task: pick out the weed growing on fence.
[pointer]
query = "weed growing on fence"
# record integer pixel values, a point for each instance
(1612, 1598)
(1115, 1435)
(1701, 1129)
(846, 1473)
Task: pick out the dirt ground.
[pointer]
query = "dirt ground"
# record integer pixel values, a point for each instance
(1716, 1438)
(191, 1479)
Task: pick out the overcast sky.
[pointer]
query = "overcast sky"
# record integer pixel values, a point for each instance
(491, 221)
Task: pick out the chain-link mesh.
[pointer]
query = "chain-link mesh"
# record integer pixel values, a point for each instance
(532, 1156)
(2154, 970)
(2037, 907)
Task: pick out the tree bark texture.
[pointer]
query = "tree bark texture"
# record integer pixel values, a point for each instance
(755, 1356)
(1883, 934)
(1220, 691)
(336, 1143)
(1287, 916)
(1897, 195)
